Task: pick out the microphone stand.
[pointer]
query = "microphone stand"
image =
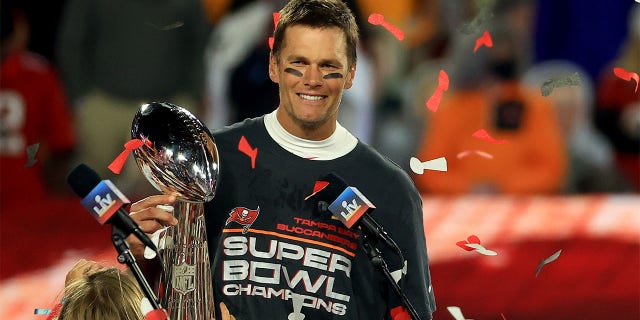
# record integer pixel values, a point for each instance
(378, 261)
(125, 256)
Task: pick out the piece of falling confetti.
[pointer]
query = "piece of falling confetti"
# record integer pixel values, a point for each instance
(246, 148)
(478, 22)
(418, 167)
(470, 239)
(167, 27)
(501, 314)
(116, 165)
(467, 153)
(552, 258)
(481, 250)
(456, 312)
(443, 85)
(484, 135)
(32, 150)
(627, 75)
(276, 18)
(150, 313)
(558, 82)
(484, 40)
(378, 19)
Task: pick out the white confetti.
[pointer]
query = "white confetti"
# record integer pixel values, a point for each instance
(481, 250)
(417, 166)
(456, 313)
(552, 258)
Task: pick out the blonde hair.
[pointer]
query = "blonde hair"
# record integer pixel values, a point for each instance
(105, 294)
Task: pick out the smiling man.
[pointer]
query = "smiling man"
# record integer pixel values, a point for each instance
(292, 259)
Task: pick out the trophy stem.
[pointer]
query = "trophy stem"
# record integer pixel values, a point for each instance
(186, 288)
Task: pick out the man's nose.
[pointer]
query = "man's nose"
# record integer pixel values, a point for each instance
(313, 77)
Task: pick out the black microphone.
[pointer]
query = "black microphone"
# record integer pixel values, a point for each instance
(351, 207)
(105, 202)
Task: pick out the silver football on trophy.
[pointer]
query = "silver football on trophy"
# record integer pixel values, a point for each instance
(178, 155)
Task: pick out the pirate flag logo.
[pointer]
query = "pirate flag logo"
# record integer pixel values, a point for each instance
(243, 216)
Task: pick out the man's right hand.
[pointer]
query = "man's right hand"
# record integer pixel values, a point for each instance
(150, 218)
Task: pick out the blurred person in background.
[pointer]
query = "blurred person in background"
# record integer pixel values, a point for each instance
(618, 104)
(116, 55)
(37, 142)
(486, 93)
(34, 115)
(591, 164)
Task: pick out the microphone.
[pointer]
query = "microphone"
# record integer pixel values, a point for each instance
(105, 202)
(351, 207)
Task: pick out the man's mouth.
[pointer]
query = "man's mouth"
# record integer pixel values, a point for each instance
(311, 97)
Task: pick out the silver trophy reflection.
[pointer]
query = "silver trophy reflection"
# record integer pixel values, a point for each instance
(180, 157)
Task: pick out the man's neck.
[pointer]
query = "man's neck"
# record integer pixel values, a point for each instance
(311, 132)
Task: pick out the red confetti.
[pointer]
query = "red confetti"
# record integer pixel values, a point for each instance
(378, 19)
(443, 85)
(470, 239)
(317, 188)
(118, 162)
(484, 135)
(627, 76)
(276, 18)
(156, 314)
(246, 148)
(400, 313)
(503, 317)
(485, 40)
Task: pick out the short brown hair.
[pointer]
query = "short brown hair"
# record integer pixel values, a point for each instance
(318, 14)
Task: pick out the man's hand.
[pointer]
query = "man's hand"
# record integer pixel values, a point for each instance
(150, 218)
(225, 312)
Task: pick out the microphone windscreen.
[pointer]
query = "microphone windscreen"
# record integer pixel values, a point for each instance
(83, 179)
(334, 188)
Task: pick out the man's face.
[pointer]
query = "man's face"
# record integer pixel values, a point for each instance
(312, 72)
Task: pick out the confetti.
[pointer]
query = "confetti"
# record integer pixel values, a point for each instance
(481, 250)
(443, 85)
(117, 164)
(478, 152)
(472, 239)
(417, 166)
(552, 258)
(484, 135)
(565, 81)
(378, 19)
(484, 40)
(399, 313)
(32, 150)
(501, 314)
(317, 187)
(150, 313)
(456, 313)
(276, 18)
(478, 22)
(245, 148)
(167, 27)
(627, 75)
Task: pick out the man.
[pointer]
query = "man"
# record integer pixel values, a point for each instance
(286, 260)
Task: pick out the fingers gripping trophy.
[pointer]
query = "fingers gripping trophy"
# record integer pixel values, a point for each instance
(179, 157)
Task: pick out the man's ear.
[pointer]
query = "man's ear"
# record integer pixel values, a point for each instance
(350, 75)
(273, 68)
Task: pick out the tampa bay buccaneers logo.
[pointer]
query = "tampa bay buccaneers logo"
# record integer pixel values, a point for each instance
(243, 216)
